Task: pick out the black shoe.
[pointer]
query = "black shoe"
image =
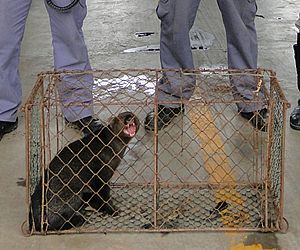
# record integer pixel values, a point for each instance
(7, 127)
(258, 119)
(87, 125)
(165, 116)
(295, 117)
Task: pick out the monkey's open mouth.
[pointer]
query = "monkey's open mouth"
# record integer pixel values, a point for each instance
(130, 129)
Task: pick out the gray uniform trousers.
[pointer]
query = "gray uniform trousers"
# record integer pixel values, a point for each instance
(69, 52)
(177, 18)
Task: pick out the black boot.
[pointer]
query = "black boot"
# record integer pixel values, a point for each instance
(258, 119)
(165, 116)
(86, 125)
(7, 127)
(295, 117)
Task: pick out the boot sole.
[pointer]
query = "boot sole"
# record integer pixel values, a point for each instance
(8, 131)
(149, 128)
(294, 126)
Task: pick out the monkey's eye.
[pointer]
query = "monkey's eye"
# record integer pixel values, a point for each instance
(128, 119)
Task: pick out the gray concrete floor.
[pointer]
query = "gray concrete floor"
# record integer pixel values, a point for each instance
(109, 29)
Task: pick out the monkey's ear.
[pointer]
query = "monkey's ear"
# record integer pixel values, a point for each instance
(115, 124)
(112, 120)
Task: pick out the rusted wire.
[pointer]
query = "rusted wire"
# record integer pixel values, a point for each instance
(209, 170)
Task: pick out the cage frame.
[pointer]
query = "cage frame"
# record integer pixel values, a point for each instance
(281, 223)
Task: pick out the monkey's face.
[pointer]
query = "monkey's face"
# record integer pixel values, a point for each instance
(125, 124)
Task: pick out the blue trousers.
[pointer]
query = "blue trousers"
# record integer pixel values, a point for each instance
(177, 18)
(69, 51)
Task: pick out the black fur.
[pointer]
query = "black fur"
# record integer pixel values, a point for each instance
(78, 176)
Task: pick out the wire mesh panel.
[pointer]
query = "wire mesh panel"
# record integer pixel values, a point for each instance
(209, 169)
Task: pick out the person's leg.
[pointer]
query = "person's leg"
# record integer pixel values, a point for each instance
(297, 58)
(13, 16)
(295, 115)
(177, 18)
(70, 53)
(238, 17)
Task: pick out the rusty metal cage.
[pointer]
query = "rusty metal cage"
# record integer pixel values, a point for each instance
(208, 170)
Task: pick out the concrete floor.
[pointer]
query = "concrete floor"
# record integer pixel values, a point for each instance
(109, 30)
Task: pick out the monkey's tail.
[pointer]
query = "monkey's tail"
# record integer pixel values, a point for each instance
(62, 8)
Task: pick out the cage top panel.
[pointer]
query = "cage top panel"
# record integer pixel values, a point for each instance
(138, 86)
